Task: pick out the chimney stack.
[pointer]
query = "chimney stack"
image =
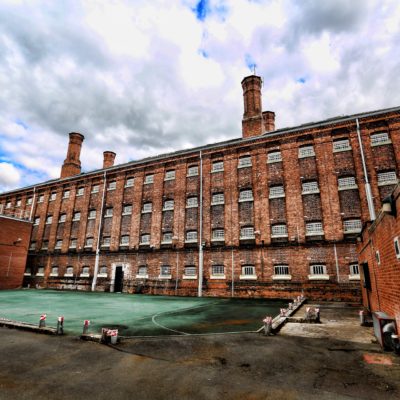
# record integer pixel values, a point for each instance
(72, 164)
(108, 159)
(255, 122)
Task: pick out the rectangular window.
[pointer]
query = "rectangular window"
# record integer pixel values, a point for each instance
(165, 270)
(29, 201)
(49, 219)
(247, 232)
(45, 245)
(397, 247)
(217, 166)
(387, 178)
(85, 271)
(95, 189)
(149, 179)
(354, 269)
(306, 151)
(310, 187)
(314, 228)
(276, 191)
(145, 238)
(352, 226)
(248, 270)
(40, 198)
(62, 218)
(190, 270)
(218, 235)
(72, 244)
(279, 231)
(167, 237)
(244, 162)
(124, 240)
(147, 208)
(103, 271)
(378, 257)
(28, 271)
(193, 170)
(274, 156)
(129, 182)
(318, 269)
(89, 242)
(281, 269)
(341, 145)
(69, 271)
(217, 198)
(18, 204)
(109, 212)
(127, 209)
(169, 175)
(380, 138)
(58, 244)
(142, 271)
(191, 236)
(246, 195)
(32, 246)
(54, 271)
(77, 216)
(80, 191)
(112, 185)
(66, 194)
(168, 205)
(106, 242)
(40, 271)
(53, 196)
(8, 205)
(37, 221)
(218, 270)
(191, 202)
(346, 183)
(92, 214)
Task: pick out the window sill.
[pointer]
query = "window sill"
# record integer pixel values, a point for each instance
(354, 277)
(245, 166)
(248, 277)
(216, 172)
(381, 143)
(84, 275)
(146, 212)
(142, 276)
(105, 246)
(124, 245)
(102, 275)
(196, 206)
(167, 242)
(278, 236)
(347, 188)
(39, 274)
(68, 275)
(189, 277)
(281, 277)
(218, 239)
(72, 248)
(75, 220)
(144, 244)
(387, 183)
(168, 209)
(27, 274)
(277, 197)
(126, 213)
(310, 192)
(217, 276)
(110, 189)
(273, 162)
(307, 156)
(94, 192)
(324, 277)
(191, 241)
(244, 200)
(127, 186)
(352, 232)
(191, 176)
(169, 179)
(53, 275)
(315, 234)
(342, 150)
(247, 238)
(218, 204)
(148, 183)
(164, 276)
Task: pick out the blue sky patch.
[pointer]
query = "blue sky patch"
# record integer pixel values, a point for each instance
(203, 53)
(250, 62)
(301, 80)
(21, 123)
(202, 8)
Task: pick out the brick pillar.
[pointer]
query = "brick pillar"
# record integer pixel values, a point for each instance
(72, 164)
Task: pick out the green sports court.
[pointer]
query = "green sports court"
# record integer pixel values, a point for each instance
(137, 315)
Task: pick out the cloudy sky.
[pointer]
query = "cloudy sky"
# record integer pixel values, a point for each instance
(146, 77)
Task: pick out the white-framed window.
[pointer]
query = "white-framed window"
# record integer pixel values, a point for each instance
(80, 191)
(127, 209)
(354, 271)
(169, 175)
(314, 228)
(106, 241)
(72, 244)
(306, 151)
(109, 212)
(165, 271)
(217, 166)
(341, 145)
(352, 226)
(281, 269)
(53, 196)
(92, 214)
(149, 178)
(102, 272)
(145, 238)
(191, 202)
(28, 271)
(218, 234)
(54, 271)
(191, 236)
(89, 242)
(62, 218)
(217, 198)
(29, 201)
(40, 199)
(193, 170)
(190, 270)
(378, 257)
(112, 185)
(167, 237)
(247, 232)
(168, 205)
(248, 272)
(387, 178)
(142, 271)
(318, 269)
(32, 246)
(58, 244)
(49, 219)
(279, 230)
(147, 207)
(397, 247)
(36, 221)
(85, 271)
(77, 216)
(8, 204)
(129, 182)
(347, 182)
(18, 203)
(380, 138)
(218, 271)
(246, 195)
(69, 271)
(244, 162)
(276, 191)
(40, 271)
(310, 187)
(124, 241)
(66, 194)
(45, 244)
(95, 189)
(274, 156)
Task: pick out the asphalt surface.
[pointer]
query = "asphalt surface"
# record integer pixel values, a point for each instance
(302, 362)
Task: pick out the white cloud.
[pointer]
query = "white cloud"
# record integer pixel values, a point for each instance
(9, 175)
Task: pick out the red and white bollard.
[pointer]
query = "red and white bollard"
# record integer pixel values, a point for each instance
(113, 335)
(42, 321)
(267, 325)
(86, 324)
(60, 325)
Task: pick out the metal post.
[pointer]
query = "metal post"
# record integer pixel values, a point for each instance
(336, 261)
(200, 288)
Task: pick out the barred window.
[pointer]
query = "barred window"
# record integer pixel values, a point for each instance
(354, 269)
(191, 202)
(170, 175)
(348, 182)
(217, 198)
(218, 234)
(49, 219)
(279, 230)
(129, 182)
(127, 209)
(92, 214)
(217, 166)
(89, 242)
(352, 226)
(318, 269)
(112, 185)
(95, 189)
(341, 145)
(165, 270)
(274, 156)
(190, 270)
(167, 237)
(53, 196)
(314, 228)
(276, 191)
(306, 151)
(193, 170)
(244, 162)
(147, 207)
(281, 269)
(66, 194)
(77, 216)
(387, 178)
(106, 242)
(58, 244)
(54, 271)
(62, 218)
(248, 270)
(69, 271)
(310, 187)
(191, 236)
(380, 138)
(124, 240)
(142, 270)
(80, 191)
(246, 195)
(145, 238)
(247, 232)
(218, 270)
(168, 205)
(72, 244)
(149, 178)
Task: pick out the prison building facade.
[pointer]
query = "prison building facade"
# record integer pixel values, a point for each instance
(274, 213)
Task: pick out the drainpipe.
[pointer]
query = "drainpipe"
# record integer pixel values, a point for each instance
(367, 185)
(96, 262)
(200, 288)
(33, 204)
(336, 262)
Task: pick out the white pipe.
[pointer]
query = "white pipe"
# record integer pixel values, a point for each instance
(336, 262)
(200, 288)
(33, 203)
(233, 273)
(367, 185)
(96, 262)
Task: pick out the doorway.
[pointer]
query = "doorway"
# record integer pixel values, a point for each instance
(119, 279)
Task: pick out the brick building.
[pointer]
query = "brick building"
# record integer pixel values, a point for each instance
(270, 214)
(379, 259)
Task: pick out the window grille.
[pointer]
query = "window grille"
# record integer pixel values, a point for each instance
(165, 270)
(53, 196)
(217, 166)
(191, 202)
(387, 178)
(274, 156)
(248, 270)
(45, 245)
(341, 145)
(380, 138)
(62, 218)
(276, 191)
(89, 242)
(58, 244)
(352, 226)
(49, 219)
(281, 270)
(279, 230)
(217, 198)
(129, 182)
(218, 270)
(124, 240)
(92, 214)
(106, 242)
(72, 244)
(314, 228)
(348, 182)
(193, 170)
(69, 271)
(145, 238)
(77, 216)
(310, 187)
(127, 209)
(190, 270)
(80, 191)
(354, 269)
(169, 175)
(95, 189)
(167, 237)
(54, 271)
(147, 208)
(246, 195)
(112, 185)
(149, 179)
(66, 194)
(142, 271)
(191, 236)
(244, 162)
(218, 234)
(247, 232)
(168, 205)
(318, 269)
(306, 151)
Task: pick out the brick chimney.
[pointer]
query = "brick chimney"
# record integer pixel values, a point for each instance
(255, 122)
(72, 164)
(108, 159)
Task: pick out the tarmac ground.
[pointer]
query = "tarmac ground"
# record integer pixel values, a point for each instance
(336, 359)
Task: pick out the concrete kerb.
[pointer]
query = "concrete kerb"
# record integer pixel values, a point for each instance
(27, 327)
